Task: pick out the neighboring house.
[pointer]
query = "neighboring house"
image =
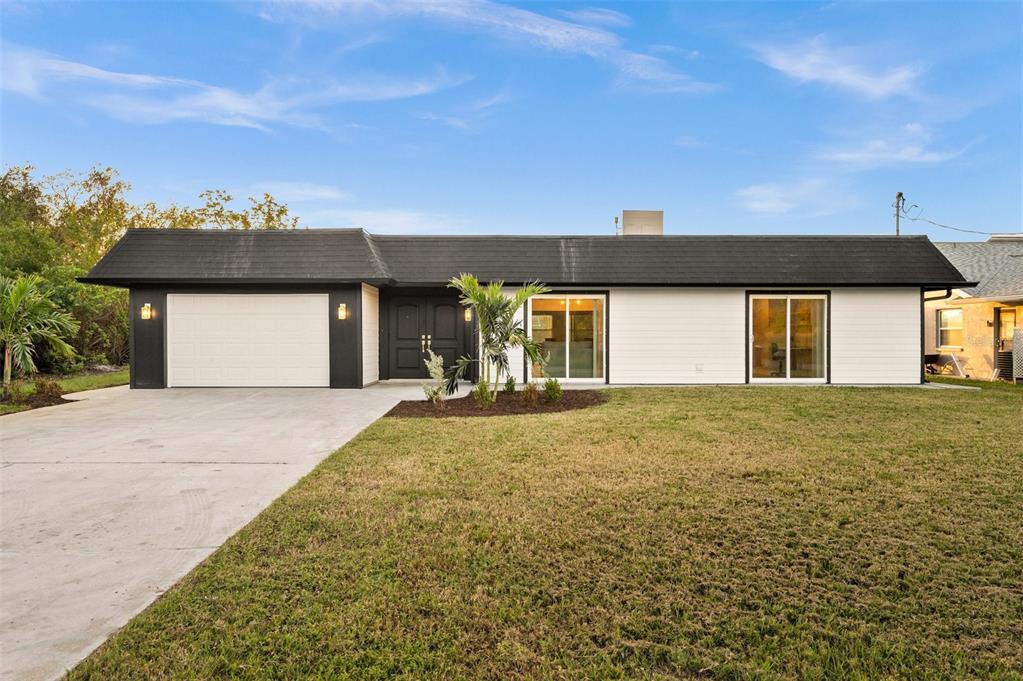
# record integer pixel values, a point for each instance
(976, 323)
(344, 308)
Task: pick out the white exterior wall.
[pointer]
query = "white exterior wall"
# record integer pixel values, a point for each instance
(516, 357)
(699, 335)
(677, 335)
(875, 335)
(370, 334)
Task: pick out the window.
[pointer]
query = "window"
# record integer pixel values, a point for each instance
(950, 328)
(570, 330)
(788, 337)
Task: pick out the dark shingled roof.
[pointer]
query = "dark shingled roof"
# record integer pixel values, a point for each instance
(265, 256)
(347, 255)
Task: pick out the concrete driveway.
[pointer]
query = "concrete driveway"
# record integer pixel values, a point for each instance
(106, 503)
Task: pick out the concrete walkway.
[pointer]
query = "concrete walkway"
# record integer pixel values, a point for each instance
(106, 503)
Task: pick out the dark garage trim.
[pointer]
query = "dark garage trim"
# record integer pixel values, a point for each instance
(148, 338)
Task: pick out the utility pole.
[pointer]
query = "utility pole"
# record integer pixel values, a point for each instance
(898, 210)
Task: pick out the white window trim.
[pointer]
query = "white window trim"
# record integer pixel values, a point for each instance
(940, 328)
(788, 297)
(603, 334)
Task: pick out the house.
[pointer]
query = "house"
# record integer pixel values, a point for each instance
(345, 308)
(975, 324)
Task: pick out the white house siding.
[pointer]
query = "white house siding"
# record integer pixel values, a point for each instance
(875, 335)
(698, 335)
(516, 357)
(677, 335)
(370, 334)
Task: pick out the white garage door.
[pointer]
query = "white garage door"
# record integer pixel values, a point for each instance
(241, 340)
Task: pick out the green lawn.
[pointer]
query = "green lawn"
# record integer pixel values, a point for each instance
(80, 382)
(727, 533)
(974, 383)
(72, 384)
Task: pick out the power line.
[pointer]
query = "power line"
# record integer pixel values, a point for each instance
(958, 229)
(902, 212)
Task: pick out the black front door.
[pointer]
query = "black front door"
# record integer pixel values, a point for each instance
(419, 323)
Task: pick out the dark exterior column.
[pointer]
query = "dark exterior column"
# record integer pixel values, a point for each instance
(146, 338)
(346, 338)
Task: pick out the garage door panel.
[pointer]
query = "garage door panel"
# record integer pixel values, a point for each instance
(248, 340)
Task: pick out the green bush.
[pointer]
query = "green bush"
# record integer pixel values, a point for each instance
(435, 391)
(481, 393)
(102, 315)
(509, 385)
(47, 387)
(552, 389)
(18, 394)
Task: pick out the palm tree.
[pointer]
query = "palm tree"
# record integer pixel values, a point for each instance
(499, 330)
(29, 317)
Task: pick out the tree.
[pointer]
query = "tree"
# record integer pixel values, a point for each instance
(499, 330)
(87, 214)
(26, 244)
(216, 213)
(59, 226)
(28, 317)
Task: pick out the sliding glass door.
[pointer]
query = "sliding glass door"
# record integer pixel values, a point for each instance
(788, 338)
(570, 329)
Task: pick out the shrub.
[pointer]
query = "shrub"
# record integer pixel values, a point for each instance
(481, 393)
(17, 394)
(47, 387)
(509, 385)
(531, 393)
(102, 315)
(552, 389)
(435, 391)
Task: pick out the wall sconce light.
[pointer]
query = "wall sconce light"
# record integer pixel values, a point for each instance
(468, 314)
(146, 312)
(342, 311)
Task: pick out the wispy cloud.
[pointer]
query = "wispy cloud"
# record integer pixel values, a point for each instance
(297, 192)
(652, 74)
(636, 70)
(807, 197)
(469, 117)
(908, 146)
(489, 102)
(815, 61)
(675, 51)
(149, 98)
(689, 142)
(598, 16)
(456, 122)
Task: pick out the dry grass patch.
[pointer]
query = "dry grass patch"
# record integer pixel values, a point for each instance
(715, 532)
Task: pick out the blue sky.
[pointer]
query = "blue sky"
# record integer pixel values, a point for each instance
(476, 117)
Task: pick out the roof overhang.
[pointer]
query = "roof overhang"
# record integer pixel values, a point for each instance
(234, 281)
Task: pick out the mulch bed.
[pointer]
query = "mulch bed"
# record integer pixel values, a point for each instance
(34, 401)
(506, 405)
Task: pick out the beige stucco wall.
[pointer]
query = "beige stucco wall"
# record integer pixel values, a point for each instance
(977, 352)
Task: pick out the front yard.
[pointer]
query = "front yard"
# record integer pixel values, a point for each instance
(705, 532)
(89, 380)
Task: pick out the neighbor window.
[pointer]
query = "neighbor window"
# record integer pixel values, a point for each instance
(950, 328)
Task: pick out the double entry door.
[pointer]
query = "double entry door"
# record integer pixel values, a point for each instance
(418, 323)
